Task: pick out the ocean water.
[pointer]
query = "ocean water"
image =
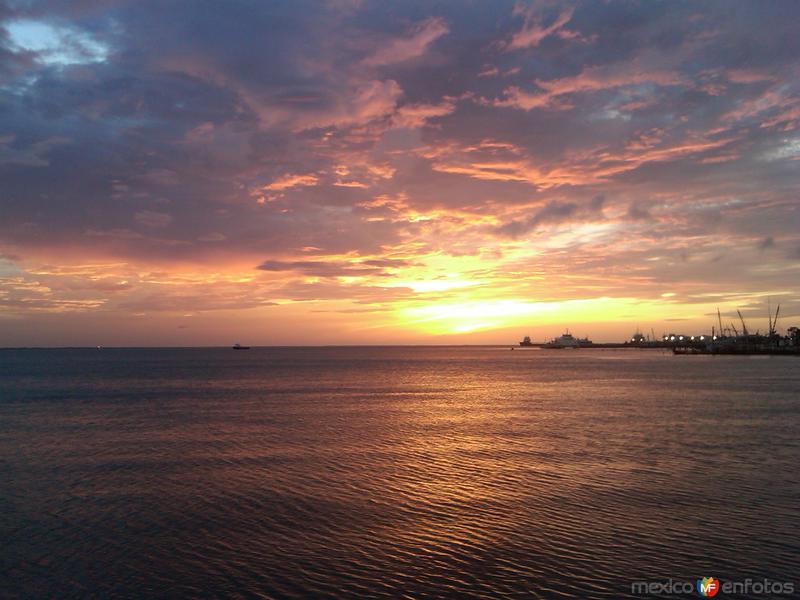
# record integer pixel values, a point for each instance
(429, 472)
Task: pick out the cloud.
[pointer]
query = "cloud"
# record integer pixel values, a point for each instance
(637, 211)
(212, 237)
(554, 213)
(373, 155)
(747, 76)
(515, 97)
(534, 31)
(359, 104)
(288, 181)
(417, 115)
(402, 49)
(373, 100)
(766, 243)
(55, 45)
(153, 219)
(611, 76)
(120, 234)
(32, 155)
(335, 268)
(592, 79)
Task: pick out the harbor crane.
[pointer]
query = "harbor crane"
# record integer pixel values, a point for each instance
(741, 318)
(773, 323)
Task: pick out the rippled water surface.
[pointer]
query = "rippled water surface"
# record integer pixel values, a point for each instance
(393, 472)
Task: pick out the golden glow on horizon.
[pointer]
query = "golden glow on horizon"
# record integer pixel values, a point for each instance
(472, 315)
(492, 292)
(435, 285)
(403, 296)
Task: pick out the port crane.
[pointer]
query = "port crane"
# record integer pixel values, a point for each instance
(741, 318)
(773, 323)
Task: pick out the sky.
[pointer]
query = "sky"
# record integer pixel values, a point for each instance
(355, 172)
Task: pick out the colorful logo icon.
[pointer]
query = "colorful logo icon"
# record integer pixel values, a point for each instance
(707, 586)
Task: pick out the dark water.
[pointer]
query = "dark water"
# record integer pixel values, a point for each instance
(393, 472)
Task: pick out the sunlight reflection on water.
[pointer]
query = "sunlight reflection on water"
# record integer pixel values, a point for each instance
(431, 472)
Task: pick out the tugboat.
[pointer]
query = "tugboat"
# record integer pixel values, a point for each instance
(526, 342)
(240, 347)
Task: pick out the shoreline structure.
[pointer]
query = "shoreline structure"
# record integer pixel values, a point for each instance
(722, 340)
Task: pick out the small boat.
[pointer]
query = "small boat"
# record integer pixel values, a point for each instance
(240, 347)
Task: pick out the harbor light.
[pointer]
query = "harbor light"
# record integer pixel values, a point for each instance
(681, 338)
(702, 338)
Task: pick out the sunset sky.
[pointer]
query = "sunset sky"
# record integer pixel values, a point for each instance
(181, 173)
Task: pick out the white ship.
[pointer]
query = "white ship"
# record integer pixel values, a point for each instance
(567, 340)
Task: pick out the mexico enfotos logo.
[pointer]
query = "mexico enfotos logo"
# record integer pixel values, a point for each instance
(708, 587)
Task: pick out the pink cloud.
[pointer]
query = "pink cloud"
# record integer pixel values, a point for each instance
(416, 115)
(373, 100)
(613, 76)
(773, 106)
(403, 49)
(515, 97)
(589, 80)
(747, 76)
(533, 31)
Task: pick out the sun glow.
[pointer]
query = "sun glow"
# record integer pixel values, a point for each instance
(436, 285)
(444, 318)
(471, 315)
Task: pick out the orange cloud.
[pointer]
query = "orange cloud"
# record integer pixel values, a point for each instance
(416, 115)
(290, 180)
